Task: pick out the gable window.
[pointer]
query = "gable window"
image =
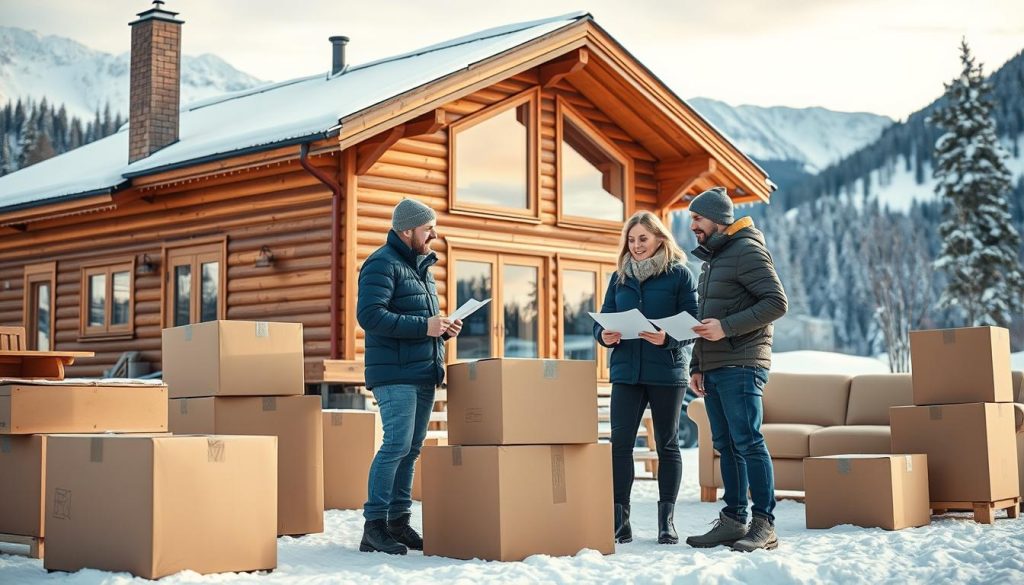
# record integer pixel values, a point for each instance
(593, 175)
(107, 299)
(40, 297)
(194, 284)
(493, 158)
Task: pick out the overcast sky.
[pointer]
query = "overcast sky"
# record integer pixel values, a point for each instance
(884, 56)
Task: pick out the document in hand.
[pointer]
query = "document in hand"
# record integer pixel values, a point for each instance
(680, 326)
(629, 323)
(468, 308)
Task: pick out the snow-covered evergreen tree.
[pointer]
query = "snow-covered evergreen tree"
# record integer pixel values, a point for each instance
(979, 242)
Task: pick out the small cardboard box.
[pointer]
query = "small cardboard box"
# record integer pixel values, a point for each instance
(971, 448)
(295, 421)
(417, 476)
(961, 366)
(505, 503)
(873, 491)
(154, 506)
(22, 481)
(351, 439)
(233, 358)
(522, 402)
(28, 408)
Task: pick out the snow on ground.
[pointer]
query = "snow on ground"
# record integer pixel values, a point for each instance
(823, 362)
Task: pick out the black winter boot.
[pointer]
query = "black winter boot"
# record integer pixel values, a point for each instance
(377, 539)
(623, 532)
(401, 531)
(666, 527)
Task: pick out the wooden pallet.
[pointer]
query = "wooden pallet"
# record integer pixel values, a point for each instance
(984, 512)
(34, 543)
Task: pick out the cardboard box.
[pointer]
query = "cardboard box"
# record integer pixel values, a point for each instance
(233, 358)
(961, 366)
(22, 481)
(154, 506)
(27, 409)
(417, 476)
(522, 402)
(873, 491)
(971, 448)
(295, 421)
(505, 503)
(351, 439)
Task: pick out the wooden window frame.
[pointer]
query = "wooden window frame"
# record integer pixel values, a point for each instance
(203, 250)
(601, 270)
(106, 331)
(564, 110)
(35, 273)
(531, 214)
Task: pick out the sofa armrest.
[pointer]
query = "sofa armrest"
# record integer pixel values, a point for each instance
(1018, 418)
(698, 413)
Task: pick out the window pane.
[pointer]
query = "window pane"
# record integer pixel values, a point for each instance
(210, 285)
(182, 294)
(97, 299)
(43, 333)
(474, 282)
(490, 161)
(519, 293)
(121, 283)
(592, 181)
(578, 298)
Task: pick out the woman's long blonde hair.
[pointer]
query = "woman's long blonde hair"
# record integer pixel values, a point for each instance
(673, 253)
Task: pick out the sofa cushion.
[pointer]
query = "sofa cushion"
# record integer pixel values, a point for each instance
(811, 399)
(851, 439)
(871, 395)
(786, 441)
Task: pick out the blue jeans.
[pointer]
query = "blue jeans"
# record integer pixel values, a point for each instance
(733, 401)
(404, 412)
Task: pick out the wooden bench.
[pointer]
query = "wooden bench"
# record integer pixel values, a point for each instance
(17, 361)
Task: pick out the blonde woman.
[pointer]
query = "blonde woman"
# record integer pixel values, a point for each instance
(652, 371)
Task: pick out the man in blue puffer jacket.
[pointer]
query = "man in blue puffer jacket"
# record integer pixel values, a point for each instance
(405, 335)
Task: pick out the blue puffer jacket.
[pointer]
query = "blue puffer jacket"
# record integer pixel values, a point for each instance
(635, 361)
(396, 297)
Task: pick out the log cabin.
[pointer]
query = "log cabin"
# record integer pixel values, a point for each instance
(532, 141)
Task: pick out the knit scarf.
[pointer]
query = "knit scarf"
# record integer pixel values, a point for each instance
(641, 270)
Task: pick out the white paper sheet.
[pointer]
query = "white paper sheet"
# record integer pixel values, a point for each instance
(468, 308)
(629, 323)
(680, 326)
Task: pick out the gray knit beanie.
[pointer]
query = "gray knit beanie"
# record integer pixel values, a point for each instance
(411, 214)
(713, 204)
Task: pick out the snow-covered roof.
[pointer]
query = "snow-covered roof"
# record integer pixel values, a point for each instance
(264, 117)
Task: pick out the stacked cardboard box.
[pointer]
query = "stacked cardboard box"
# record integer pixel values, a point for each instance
(523, 473)
(246, 378)
(351, 439)
(963, 417)
(883, 491)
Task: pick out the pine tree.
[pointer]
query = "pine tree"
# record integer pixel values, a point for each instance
(979, 242)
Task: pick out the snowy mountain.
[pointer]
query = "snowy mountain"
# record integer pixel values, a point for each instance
(813, 137)
(62, 70)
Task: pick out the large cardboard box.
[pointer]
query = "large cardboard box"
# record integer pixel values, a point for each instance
(30, 408)
(417, 476)
(873, 491)
(960, 366)
(22, 481)
(971, 448)
(351, 439)
(295, 421)
(509, 502)
(233, 358)
(154, 506)
(522, 402)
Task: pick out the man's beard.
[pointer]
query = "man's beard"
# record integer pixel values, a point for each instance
(702, 237)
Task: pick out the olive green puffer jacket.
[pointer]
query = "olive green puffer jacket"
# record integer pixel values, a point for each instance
(739, 287)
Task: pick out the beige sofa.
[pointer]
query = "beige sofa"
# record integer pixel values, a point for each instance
(808, 415)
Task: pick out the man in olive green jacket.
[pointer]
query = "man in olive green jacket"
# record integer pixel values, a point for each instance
(740, 295)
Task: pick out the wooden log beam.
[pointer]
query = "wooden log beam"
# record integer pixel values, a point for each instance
(675, 177)
(555, 71)
(369, 152)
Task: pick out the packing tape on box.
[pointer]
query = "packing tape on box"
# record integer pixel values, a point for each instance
(269, 403)
(558, 474)
(262, 329)
(472, 370)
(214, 451)
(550, 370)
(456, 456)
(96, 450)
(935, 413)
(949, 336)
(183, 406)
(844, 466)
(910, 462)
(188, 333)
(5, 444)
(337, 419)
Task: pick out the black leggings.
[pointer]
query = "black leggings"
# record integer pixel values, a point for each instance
(627, 409)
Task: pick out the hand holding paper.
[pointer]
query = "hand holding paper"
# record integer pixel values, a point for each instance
(630, 323)
(468, 308)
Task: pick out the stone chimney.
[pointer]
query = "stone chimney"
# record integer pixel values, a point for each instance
(155, 93)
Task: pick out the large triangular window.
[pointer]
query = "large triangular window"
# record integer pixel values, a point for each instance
(594, 176)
